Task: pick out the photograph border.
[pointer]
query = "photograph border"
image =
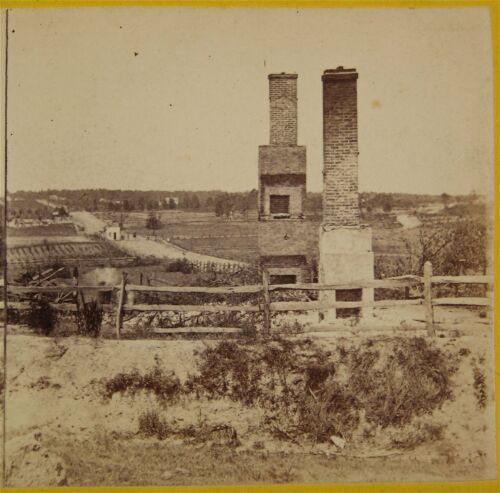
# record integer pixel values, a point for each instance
(458, 487)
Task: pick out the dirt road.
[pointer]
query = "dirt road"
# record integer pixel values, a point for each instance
(91, 224)
(144, 247)
(160, 248)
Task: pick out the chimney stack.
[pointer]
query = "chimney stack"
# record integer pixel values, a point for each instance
(340, 148)
(283, 103)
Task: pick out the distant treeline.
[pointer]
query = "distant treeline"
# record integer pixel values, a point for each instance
(219, 202)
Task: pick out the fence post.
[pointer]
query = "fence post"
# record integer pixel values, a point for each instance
(119, 310)
(267, 302)
(429, 312)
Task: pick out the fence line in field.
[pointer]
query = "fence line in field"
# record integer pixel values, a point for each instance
(126, 294)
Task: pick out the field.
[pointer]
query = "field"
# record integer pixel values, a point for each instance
(60, 252)
(91, 433)
(61, 229)
(203, 232)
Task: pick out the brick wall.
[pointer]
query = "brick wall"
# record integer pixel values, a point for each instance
(278, 160)
(283, 103)
(340, 148)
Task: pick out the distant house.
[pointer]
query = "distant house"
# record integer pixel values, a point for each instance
(113, 232)
(175, 200)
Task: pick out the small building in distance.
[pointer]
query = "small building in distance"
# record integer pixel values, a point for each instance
(113, 232)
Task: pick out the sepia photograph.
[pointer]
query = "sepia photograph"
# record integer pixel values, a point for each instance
(247, 246)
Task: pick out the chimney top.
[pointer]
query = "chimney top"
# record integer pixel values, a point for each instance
(340, 73)
(283, 75)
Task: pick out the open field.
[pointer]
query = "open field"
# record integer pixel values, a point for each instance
(18, 241)
(89, 435)
(62, 251)
(61, 229)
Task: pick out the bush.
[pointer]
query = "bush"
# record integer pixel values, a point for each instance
(317, 394)
(227, 370)
(180, 265)
(89, 318)
(480, 391)
(150, 424)
(41, 316)
(166, 386)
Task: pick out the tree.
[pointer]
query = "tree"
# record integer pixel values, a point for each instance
(387, 203)
(171, 203)
(219, 208)
(445, 199)
(451, 247)
(195, 202)
(153, 222)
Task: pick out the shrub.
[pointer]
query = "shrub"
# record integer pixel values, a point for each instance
(89, 318)
(150, 424)
(165, 385)
(41, 316)
(227, 370)
(479, 387)
(180, 265)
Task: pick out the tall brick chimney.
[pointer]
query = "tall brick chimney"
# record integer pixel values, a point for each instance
(283, 102)
(340, 148)
(283, 232)
(345, 248)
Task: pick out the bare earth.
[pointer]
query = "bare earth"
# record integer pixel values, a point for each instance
(53, 393)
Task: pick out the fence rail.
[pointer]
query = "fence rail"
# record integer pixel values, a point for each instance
(126, 297)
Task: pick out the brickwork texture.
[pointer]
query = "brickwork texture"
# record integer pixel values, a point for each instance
(340, 148)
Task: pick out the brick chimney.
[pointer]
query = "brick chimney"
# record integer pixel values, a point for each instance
(283, 102)
(340, 148)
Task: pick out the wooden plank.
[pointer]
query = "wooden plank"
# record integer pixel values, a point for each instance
(61, 307)
(267, 301)
(462, 279)
(119, 308)
(429, 312)
(198, 330)
(57, 289)
(190, 308)
(376, 283)
(283, 306)
(196, 289)
(360, 328)
(462, 301)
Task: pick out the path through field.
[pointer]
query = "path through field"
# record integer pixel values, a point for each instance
(91, 224)
(141, 246)
(144, 247)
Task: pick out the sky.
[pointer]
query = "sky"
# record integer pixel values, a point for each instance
(169, 98)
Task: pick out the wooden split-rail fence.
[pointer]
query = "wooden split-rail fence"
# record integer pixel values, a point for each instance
(126, 295)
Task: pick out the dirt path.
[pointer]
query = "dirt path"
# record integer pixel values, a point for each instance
(142, 246)
(91, 224)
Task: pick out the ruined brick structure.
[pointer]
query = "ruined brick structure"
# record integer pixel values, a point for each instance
(345, 248)
(340, 148)
(283, 239)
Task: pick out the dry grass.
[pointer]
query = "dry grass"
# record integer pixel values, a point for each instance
(114, 459)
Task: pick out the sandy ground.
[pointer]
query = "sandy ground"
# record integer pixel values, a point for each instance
(53, 388)
(91, 224)
(165, 250)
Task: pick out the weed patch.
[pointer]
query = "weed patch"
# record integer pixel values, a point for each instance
(312, 394)
(41, 316)
(480, 391)
(165, 385)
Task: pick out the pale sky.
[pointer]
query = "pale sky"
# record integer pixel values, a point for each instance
(191, 108)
